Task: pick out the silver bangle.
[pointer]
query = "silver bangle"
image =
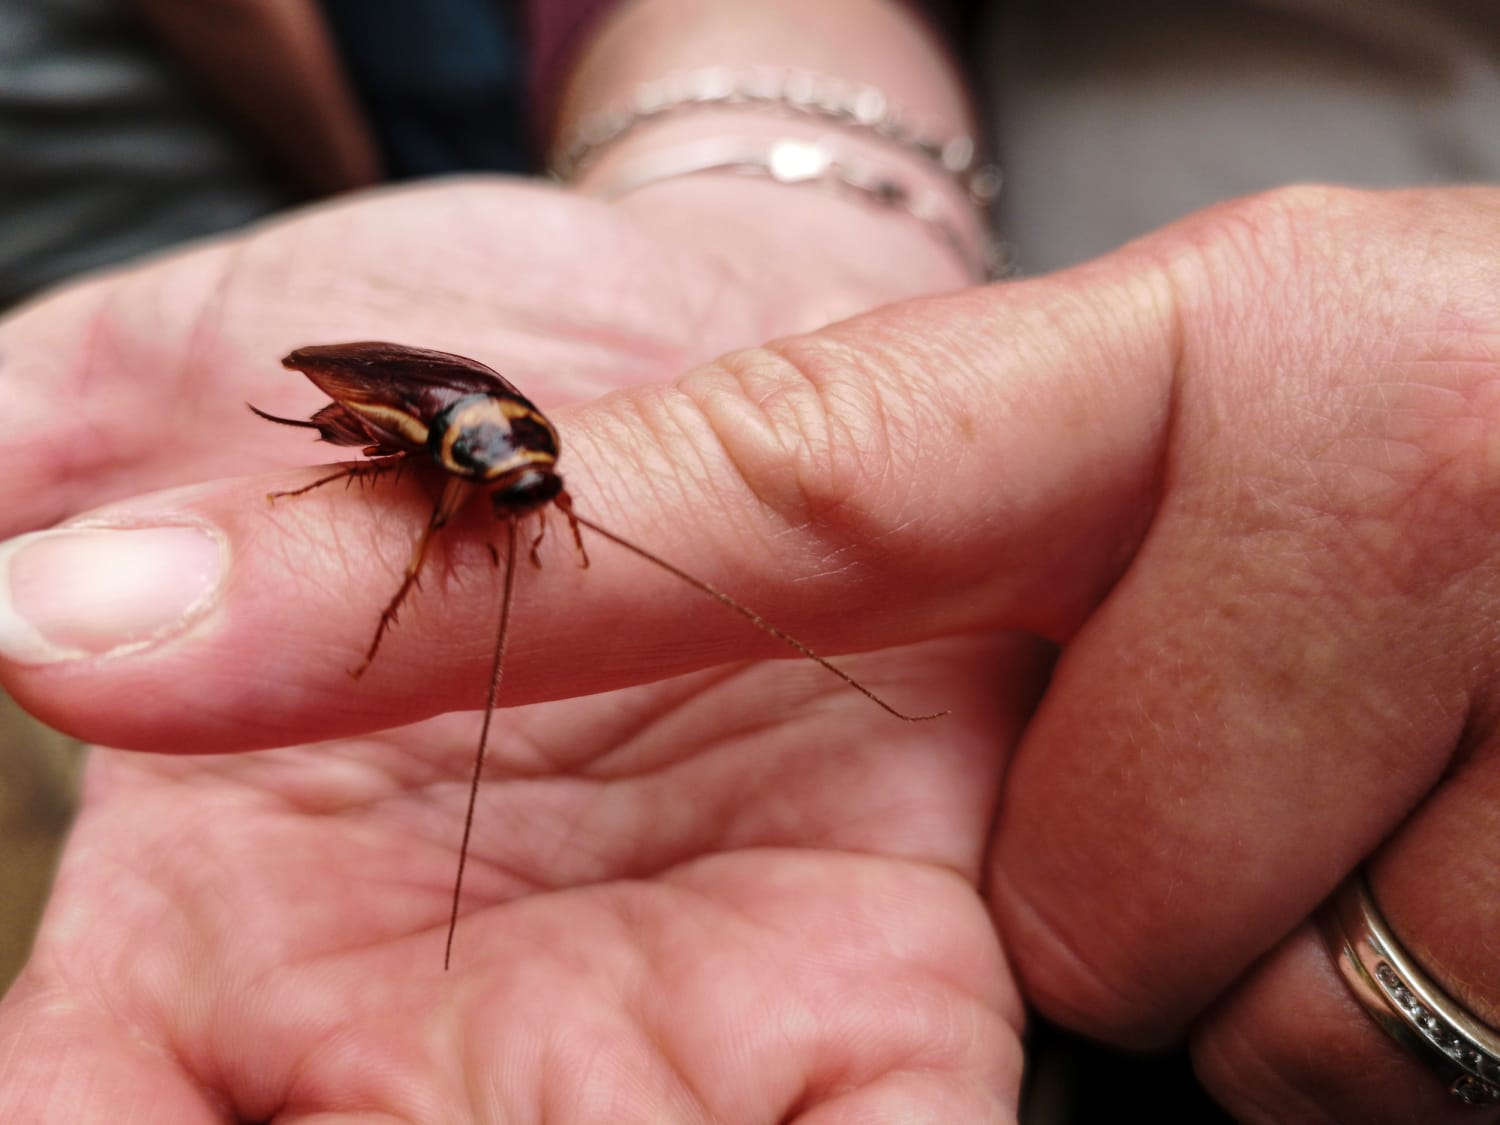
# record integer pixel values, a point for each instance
(789, 161)
(861, 108)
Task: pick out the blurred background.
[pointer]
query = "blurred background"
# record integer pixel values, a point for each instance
(39, 771)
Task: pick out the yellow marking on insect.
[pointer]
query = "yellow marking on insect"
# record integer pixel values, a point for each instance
(391, 419)
(482, 441)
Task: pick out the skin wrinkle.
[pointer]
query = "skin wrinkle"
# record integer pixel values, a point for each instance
(338, 1053)
(711, 827)
(688, 1090)
(1161, 296)
(700, 474)
(776, 420)
(656, 357)
(749, 434)
(798, 379)
(810, 1091)
(688, 403)
(369, 780)
(659, 353)
(1252, 1077)
(675, 462)
(148, 1026)
(1330, 487)
(572, 850)
(200, 864)
(653, 771)
(1079, 976)
(494, 877)
(833, 470)
(652, 843)
(720, 295)
(671, 700)
(635, 919)
(719, 290)
(901, 421)
(1419, 502)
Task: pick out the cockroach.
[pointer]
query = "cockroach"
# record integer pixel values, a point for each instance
(397, 402)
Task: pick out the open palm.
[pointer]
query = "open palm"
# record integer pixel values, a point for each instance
(739, 897)
(743, 895)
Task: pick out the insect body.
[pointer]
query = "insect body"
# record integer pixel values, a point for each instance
(396, 402)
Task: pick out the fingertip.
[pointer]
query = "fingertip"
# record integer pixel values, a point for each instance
(87, 592)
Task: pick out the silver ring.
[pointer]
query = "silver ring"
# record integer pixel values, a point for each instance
(1404, 1000)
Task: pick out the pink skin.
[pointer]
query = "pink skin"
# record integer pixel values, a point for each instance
(672, 910)
(1243, 471)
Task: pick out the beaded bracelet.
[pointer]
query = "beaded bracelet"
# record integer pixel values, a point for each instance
(858, 109)
(777, 89)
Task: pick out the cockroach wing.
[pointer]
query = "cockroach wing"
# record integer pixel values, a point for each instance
(338, 425)
(386, 395)
(420, 379)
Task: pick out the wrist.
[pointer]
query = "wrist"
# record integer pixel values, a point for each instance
(899, 180)
(879, 43)
(861, 104)
(815, 251)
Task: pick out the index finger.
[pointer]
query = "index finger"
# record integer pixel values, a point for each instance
(954, 464)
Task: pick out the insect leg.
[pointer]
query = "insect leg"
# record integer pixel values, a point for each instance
(455, 492)
(350, 471)
(565, 502)
(541, 533)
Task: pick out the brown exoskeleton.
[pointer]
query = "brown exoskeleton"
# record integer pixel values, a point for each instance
(396, 402)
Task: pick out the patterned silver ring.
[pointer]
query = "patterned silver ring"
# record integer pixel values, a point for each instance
(1404, 1000)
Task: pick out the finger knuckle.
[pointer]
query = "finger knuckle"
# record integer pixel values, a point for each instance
(809, 430)
(1349, 362)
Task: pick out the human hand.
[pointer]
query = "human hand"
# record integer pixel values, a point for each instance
(1292, 673)
(675, 910)
(1243, 471)
(711, 845)
(725, 875)
(1235, 467)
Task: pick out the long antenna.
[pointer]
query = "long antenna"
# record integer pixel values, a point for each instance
(749, 615)
(484, 730)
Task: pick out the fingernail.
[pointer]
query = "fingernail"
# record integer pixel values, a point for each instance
(84, 592)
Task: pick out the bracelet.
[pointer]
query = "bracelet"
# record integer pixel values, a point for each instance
(789, 161)
(860, 108)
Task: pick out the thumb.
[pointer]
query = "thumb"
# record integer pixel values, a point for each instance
(980, 460)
